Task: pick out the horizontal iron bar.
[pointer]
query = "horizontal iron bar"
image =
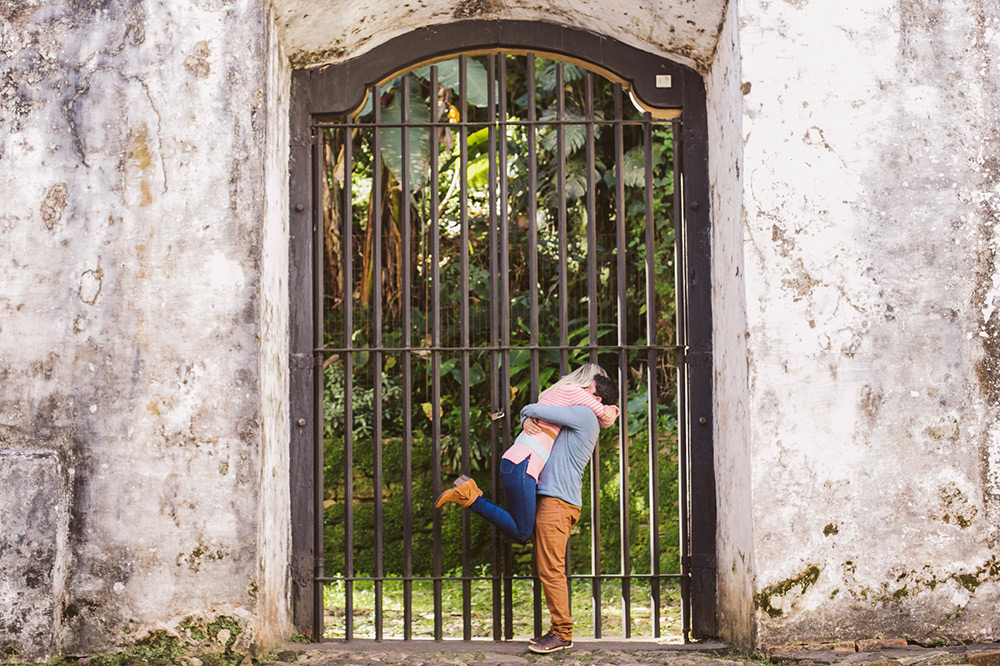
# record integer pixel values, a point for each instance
(472, 124)
(499, 348)
(351, 579)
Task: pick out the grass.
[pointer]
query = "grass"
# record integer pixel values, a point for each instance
(481, 609)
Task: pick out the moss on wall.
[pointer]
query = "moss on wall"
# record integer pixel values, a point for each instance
(804, 580)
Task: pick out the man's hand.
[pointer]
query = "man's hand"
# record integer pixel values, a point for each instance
(609, 416)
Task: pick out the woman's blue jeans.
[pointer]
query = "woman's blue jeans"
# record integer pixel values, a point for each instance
(517, 520)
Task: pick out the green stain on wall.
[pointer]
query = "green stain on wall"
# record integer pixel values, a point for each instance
(804, 580)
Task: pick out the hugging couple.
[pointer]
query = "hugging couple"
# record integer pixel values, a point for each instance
(542, 475)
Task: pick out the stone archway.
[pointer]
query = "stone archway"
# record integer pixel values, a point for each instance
(315, 34)
(683, 36)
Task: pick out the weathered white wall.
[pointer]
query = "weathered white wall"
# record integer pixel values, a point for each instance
(324, 31)
(871, 196)
(141, 337)
(273, 621)
(734, 539)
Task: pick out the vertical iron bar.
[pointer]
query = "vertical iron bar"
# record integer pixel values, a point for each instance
(683, 439)
(376, 289)
(623, 454)
(435, 354)
(563, 253)
(495, 406)
(405, 301)
(561, 196)
(651, 383)
(532, 141)
(348, 291)
(532, 224)
(463, 166)
(319, 173)
(591, 218)
(533, 285)
(505, 396)
(595, 462)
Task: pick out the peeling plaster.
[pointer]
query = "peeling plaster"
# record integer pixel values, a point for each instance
(54, 205)
(316, 32)
(91, 282)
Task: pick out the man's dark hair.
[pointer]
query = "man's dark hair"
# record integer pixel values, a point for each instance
(606, 390)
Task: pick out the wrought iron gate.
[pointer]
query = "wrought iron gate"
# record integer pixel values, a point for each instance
(480, 226)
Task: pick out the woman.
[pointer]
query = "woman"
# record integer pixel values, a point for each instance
(521, 464)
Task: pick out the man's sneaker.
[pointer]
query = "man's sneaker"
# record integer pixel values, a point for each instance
(549, 643)
(532, 641)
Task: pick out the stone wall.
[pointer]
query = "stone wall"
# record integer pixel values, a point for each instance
(871, 209)
(134, 406)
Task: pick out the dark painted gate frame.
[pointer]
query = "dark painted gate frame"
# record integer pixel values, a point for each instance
(334, 90)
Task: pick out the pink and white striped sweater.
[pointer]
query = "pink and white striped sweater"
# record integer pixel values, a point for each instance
(538, 447)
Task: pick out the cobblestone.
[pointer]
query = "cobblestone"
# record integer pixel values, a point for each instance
(891, 652)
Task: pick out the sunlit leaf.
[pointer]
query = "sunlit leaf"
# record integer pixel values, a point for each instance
(419, 149)
(428, 409)
(477, 86)
(478, 140)
(478, 171)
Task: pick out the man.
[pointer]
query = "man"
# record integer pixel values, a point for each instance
(559, 502)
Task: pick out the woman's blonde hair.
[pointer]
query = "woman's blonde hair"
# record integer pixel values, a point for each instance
(582, 376)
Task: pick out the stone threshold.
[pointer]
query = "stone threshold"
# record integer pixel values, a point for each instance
(516, 646)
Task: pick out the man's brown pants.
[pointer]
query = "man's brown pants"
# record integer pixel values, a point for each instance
(554, 519)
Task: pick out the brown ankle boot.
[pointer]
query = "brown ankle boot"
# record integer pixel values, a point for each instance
(464, 493)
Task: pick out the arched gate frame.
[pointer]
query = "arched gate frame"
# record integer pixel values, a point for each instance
(657, 83)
